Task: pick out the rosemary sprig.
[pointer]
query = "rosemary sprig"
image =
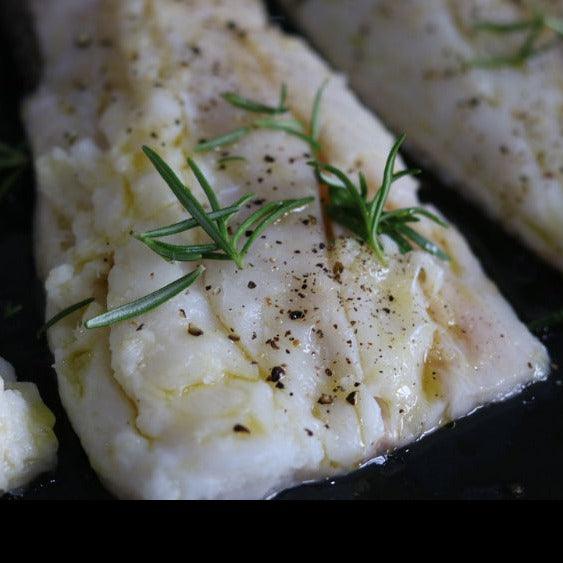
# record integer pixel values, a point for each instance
(290, 126)
(224, 245)
(349, 205)
(223, 140)
(13, 162)
(256, 107)
(273, 123)
(535, 26)
(188, 224)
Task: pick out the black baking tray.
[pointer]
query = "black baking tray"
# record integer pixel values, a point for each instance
(512, 450)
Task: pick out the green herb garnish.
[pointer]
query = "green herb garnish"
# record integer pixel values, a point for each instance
(535, 26)
(257, 107)
(145, 304)
(12, 164)
(349, 205)
(224, 245)
(188, 224)
(290, 126)
(63, 314)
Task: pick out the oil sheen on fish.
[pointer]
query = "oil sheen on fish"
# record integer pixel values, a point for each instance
(28, 445)
(365, 357)
(494, 132)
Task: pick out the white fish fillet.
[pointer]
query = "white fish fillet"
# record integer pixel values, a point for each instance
(397, 350)
(28, 445)
(493, 133)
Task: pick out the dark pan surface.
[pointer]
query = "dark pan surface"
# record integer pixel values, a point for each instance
(510, 450)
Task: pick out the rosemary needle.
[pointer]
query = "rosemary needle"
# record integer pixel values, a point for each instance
(63, 314)
(144, 304)
(223, 140)
(272, 123)
(188, 224)
(256, 107)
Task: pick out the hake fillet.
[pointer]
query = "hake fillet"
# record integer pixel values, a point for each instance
(375, 356)
(494, 133)
(28, 445)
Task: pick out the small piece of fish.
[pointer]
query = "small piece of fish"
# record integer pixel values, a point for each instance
(28, 446)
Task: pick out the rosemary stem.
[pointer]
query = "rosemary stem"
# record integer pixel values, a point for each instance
(375, 245)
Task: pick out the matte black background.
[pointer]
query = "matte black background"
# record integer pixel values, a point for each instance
(511, 450)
